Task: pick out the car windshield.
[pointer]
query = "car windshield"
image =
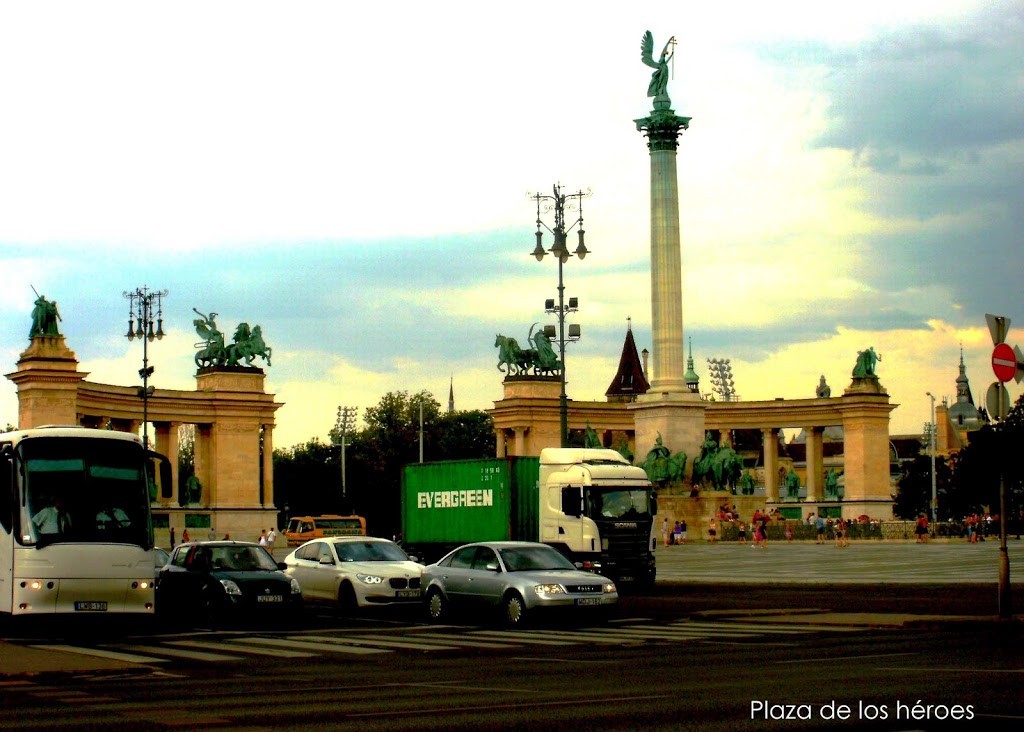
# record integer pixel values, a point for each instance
(240, 558)
(619, 503)
(370, 551)
(531, 558)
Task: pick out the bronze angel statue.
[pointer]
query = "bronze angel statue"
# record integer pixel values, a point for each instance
(659, 79)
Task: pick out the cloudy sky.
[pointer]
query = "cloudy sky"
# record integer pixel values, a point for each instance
(354, 179)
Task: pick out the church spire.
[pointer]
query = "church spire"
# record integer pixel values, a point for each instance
(691, 378)
(629, 380)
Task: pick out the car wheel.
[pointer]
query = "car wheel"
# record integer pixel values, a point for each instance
(436, 605)
(513, 609)
(347, 599)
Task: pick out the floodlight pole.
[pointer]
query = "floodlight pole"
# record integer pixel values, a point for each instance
(931, 450)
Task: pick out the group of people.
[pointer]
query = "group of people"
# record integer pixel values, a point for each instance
(674, 534)
(268, 537)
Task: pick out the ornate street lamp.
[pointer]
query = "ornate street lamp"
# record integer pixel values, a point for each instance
(141, 305)
(561, 252)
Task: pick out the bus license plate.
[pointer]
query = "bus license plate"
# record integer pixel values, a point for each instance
(407, 593)
(588, 601)
(93, 607)
(269, 598)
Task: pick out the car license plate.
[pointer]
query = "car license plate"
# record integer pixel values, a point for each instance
(269, 598)
(588, 601)
(93, 607)
(407, 593)
(625, 578)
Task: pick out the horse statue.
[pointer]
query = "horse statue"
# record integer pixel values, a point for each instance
(719, 466)
(511, 356)
(248, 344)
(661, 465)
(866, 361)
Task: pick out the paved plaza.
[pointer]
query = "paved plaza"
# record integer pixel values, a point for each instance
(861, 562)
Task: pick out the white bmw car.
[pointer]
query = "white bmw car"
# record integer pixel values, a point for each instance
(355, 572)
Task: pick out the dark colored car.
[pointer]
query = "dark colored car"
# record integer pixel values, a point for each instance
(212, 581)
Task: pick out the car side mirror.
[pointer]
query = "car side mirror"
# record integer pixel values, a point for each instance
(492, 567)
(282, 566)
(326, 560)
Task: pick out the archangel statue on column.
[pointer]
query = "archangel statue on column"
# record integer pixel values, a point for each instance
(658, 87)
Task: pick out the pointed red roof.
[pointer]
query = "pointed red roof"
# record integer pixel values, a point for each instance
(629, 379)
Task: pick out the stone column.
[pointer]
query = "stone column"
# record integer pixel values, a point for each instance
(669, 408)
(662, 129)
(521, 440)
(499, 443)
(770, 447)
(815, 463)
(166, 443)
(268, 466)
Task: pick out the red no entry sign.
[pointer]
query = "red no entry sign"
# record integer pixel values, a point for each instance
(1004, 362)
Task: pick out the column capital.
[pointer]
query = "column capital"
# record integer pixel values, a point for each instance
(662, 129)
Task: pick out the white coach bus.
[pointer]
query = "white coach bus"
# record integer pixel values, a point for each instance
(76, 535)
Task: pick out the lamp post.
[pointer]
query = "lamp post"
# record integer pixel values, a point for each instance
(343, 425)
(557, 201)
(141, 304)
(931, 449)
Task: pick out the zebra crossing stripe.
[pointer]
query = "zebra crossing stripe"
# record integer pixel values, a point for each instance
(299, 644)
(100, 653)
(519, 639)
(386, 643)
(182, 653)
(238, 648)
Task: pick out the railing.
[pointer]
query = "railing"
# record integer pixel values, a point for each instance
(885, 530)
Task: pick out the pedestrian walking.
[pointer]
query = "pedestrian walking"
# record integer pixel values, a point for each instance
(921, 529)
(682, 531)
(713, 530)
(820, 524)
(741, 533)
(184, 536)
(172, 537)
(666, 533)
(677, 533)
(271, 539)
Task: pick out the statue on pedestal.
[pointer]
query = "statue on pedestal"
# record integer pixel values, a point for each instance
(866, 361)
(44, 318)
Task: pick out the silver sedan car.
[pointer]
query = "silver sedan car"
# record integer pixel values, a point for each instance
(355, 572)
(517, 578)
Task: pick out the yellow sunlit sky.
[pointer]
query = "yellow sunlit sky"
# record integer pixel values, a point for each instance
(354, 179)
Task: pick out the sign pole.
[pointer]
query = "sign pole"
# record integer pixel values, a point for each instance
(1005, 366)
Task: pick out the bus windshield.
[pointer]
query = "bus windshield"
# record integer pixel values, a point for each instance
(83, 490)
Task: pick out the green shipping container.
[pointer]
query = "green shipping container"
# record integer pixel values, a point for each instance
(461, 501)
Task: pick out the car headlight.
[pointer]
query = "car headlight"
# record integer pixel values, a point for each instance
(551, 589)
(296, 589)
(370, 579)
(230, 587)
(608, 588)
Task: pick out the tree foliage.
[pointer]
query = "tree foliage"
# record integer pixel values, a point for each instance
(308, 477)
(993, 452)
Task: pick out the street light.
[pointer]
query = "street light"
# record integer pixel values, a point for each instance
(931, 449)
(721, 379)
(562, 254)
(343, 425)
(141, 304)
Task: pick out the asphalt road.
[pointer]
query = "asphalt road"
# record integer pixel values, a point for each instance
(690, 655)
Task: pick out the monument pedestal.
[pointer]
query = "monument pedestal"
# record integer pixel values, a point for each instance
(677, 416)
(47, 380)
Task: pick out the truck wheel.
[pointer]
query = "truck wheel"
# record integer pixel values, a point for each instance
(436, 605)
(347, 599)
(513, 610)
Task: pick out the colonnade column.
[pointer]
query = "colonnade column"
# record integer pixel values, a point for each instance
(770, 447)
(166, 443)
(815, 463)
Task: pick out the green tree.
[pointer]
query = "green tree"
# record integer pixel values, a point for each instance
(915, 488)
(308, 477)
(993, 451)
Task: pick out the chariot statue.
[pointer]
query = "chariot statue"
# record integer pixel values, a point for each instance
(717, 465)
(247, 344)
